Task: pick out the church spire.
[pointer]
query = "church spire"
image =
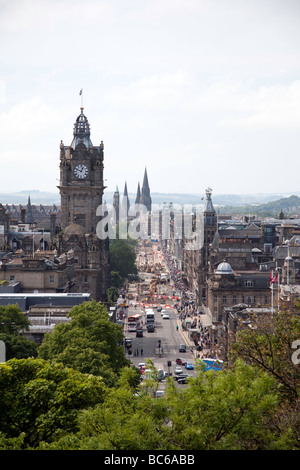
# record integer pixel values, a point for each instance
(138, 195)
(125, 201)
(29, 218)
(145, 197)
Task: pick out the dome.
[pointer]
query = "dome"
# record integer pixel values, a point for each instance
(74, 229)
(224, 268)
(81, 131)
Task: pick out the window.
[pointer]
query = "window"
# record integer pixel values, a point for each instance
(224, 299)
(85, 278)
(249, 283)
(51, 279)
(234, 299)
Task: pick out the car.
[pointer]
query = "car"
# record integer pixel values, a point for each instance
(166, 316)
(150, 328)
(159, 394)
(189, 365)
(180, 362)
(181, 376)
(178, 370)
(139, 333)
(141, 365)
(159, 308)
(183, 380)
(182, 348)
(163, 312)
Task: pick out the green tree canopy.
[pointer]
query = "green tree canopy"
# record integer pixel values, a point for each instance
(18, 347)
(122, 257)
(12, 320)
(40, 401)
(268, 346)
(89, 343)
(230, 410)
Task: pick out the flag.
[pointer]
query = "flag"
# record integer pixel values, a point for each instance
(80, 93)
(273, 278)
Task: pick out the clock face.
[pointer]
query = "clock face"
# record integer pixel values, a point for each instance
(81, 171)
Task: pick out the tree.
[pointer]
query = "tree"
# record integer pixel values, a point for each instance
(268, 346)
(40, 401)
(12, 320)
(12, 323)
(228, 410)
(89, 343)
(18, 347)
(122, 257)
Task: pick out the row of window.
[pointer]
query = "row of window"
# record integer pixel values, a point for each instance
(51, 278)
(250, 300)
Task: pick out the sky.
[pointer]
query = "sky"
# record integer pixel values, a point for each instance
(203, 93)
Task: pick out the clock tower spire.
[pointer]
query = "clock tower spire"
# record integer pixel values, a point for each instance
(81, 189)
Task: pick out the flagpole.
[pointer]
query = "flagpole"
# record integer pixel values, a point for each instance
(278, 298)
(272, 294)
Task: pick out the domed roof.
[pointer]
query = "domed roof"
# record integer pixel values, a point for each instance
(224, 268)
(81, 131)
(74, 229)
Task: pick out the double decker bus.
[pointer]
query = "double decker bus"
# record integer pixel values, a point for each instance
(134, 322)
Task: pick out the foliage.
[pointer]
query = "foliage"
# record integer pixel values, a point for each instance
(12, 320)
(40, 401)
(18, 347)
(89, 343)
(116, 280)
(268, 346)
(231, 410)
(122, 254)
(112, 295)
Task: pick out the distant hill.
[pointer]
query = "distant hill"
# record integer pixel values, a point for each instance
(290, 206)
(262, 204)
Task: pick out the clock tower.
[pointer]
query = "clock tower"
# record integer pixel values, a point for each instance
(81, 178)
(81, 190)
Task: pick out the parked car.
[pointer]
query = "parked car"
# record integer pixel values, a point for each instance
(182, 348)
(189, 365)
(178, 370)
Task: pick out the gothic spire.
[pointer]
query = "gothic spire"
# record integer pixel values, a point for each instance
(29, 218)
(145, 196)
(138, 195)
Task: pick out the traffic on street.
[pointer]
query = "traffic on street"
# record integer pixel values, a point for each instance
(151, 321)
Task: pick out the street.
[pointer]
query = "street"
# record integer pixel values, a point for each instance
(168, 333)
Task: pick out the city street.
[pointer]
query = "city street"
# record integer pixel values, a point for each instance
(162, 345)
